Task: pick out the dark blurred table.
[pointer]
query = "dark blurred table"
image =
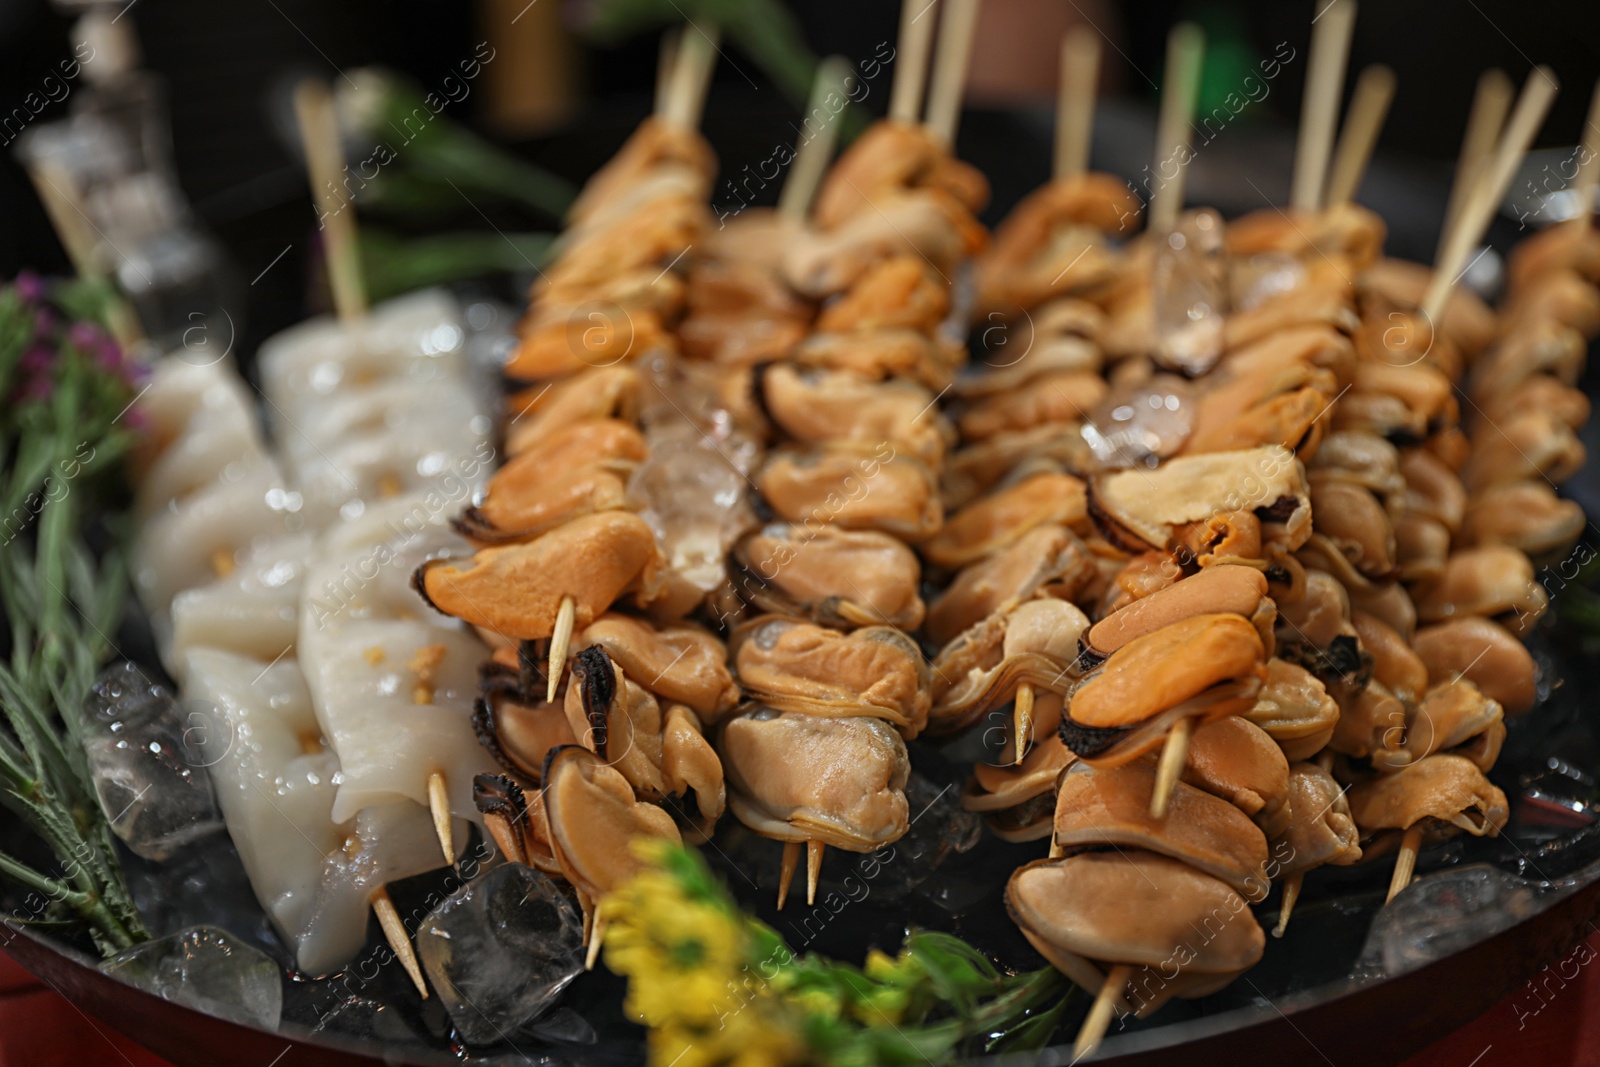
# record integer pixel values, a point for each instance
(1554, 1021)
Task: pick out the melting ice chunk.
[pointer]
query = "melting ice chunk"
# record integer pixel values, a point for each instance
(500, 950)
(152, 788)
(1444, 913)
(694, 501)
(1189, 293)
(1141, 423)
(209, 970)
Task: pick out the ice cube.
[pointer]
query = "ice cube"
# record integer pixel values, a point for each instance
(201, 886)
(1141, 423)
(153, 789)
(1443, 913)
(694, 501)
(1189, 293)
(500, 950)
(209, 970)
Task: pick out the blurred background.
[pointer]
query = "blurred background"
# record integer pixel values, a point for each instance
(193, 98)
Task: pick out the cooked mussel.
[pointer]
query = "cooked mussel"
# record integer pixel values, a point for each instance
(837, 577)
(592, 819)
(815, 406)
(1236, 760)
(516, 590)
(1484, 653)
(679, 662)
(1492, 581)
(859, 487)
(661, 754)
(794, 665)
(1294, 710)
(1100, 806)
(536, 413)
(1202, 668)
(1089, 912)
(1142, 510)
(1443, 794)
(797, 777)
(1035, 643)
(1525, 515)
(996, 520)
(1221, 589)
(1044, 557)
(1054, 398)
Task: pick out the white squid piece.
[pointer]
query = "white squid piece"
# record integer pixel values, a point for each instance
(393, 683)
(275, 782)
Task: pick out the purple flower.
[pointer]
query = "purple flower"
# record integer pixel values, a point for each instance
(45, 321)
(30, 287)
(84, 336)
(108, 355)
(36, 388)
(37, 360)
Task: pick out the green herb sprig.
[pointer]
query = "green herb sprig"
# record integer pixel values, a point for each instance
(65, 389)
(716, 986)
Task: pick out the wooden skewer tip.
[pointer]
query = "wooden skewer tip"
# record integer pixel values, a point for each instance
(596, 939)
(813, 870)
(1098, 1020)
(1291, 894)
(394, 931)
(1022, 722)
(1173, 754)
(1405, 864)
(560, 642)
(439, 806)
(791, 863)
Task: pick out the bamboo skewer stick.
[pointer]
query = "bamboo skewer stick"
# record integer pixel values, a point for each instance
(1291, 894)
(1368, 108)
(917, 18)
(1185, 50)
(691, 75)
(1079, 78)
(950, 63)
(1538, 92)
(1173, 754)
(597, 936)
(439, 806)
(1098, 1020)
(666, 62)
(813, 869)
(58, 193)
(791, 863)
(1490, 105)
(1330, 48)
(394, 931)
(560, 642)
(1589, 162)
(319, 135)
(1405, 864)
(812, 156)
